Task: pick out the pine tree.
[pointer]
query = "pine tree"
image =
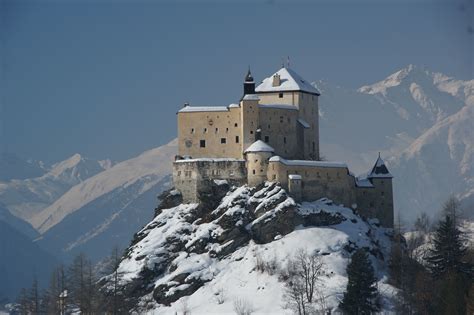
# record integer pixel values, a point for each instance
(448, 250)
(361, 293)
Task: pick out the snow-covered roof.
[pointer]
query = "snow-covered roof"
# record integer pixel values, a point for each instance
(303, 123)
(363, 182)
(379, 170)
(289, 81)
(294, 176)
(209, 160)
(259, 146)
(278, 106)
(307, 162)
(190, 109)
(233, 105)
(251, 97)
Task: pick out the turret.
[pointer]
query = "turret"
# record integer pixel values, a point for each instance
(381, 179)
(257, 156)
(249, 84)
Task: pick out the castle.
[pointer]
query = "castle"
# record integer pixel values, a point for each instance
(272, 135)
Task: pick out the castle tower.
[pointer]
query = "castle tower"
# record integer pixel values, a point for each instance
(257, 156)
(286, 87)
(249, 84)
(381, 179)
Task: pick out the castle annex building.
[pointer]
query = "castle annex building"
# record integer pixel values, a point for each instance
(272, 134)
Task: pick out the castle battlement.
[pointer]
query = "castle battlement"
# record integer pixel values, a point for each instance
(272, 135)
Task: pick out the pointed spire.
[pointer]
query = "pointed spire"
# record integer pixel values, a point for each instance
(249, 77)
(379, 170)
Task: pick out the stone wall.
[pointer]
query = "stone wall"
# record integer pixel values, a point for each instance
(221, 132)
(194, 178)
(319, 179)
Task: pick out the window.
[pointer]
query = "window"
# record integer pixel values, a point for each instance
(192, 130)
(217, 130)
(267, 139)
(251, 132)
(314, 147)
(226, 129)
(280, 95)
(236, 139)
(205, 130)
(281, 119)
(202, 143)
(253, 172)
(223, 140)
(284, 140)
(235, 125)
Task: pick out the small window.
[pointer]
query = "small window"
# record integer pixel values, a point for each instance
(217, 130)
(192, 130)
(314, 147)
(251, 132)
(223, 140)
(202, 143)
(235, 125)
(280, 95)
(256, 161)
(226, 129)
(267, 139)
(205, 130)
(281, 119)
(236, 139)
(253, 172)
(284, 140)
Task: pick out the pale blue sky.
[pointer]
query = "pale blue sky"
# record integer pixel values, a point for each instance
(105, 79)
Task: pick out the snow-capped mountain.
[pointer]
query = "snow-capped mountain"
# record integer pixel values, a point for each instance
(438, 164)
(235, 247)
(106, 209)
(26, 197)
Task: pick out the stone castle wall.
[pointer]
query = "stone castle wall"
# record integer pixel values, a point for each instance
(193, 178)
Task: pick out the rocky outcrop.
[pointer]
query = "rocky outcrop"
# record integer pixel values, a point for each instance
(170, 257)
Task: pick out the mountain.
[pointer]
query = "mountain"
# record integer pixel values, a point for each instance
(436, 165)
(26, 197)
(235, 248)
(106, 209)
(21, 261)
(17, 223)
(13, 167)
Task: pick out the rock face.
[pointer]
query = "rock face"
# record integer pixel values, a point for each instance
(171, 256)
(186, 245)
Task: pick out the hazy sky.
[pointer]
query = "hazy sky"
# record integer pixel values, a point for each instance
(105, 78)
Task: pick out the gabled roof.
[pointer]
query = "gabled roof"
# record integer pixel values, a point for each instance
(379, 170)
(259, 146)
(290, 81)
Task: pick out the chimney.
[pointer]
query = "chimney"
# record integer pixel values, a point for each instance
(276, 80)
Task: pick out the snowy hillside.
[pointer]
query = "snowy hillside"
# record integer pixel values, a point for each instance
(204, 256)
(25, 198)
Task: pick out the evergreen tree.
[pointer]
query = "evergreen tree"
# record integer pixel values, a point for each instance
(361, 293)
(448, 250)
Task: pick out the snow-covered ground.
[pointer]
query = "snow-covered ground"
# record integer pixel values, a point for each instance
(234, 277)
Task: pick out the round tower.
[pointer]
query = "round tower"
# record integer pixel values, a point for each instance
(257, 156)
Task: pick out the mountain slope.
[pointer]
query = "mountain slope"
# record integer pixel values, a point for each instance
(437, 164)
(198, 254)
(155, 163)
(13, 167)
(25, 198)
(17, 223)
(21, 261)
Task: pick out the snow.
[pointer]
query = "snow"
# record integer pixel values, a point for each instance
(259, 146)
(303, 123)
(190, 109)
(235, 276)
(307, 162)
(290, 81)
(150, 163)
(209, 160)
(294, 176)
(234, 105)
(278, 106)
(363, 182)
(251, 97)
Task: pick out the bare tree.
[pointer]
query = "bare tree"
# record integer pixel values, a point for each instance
(243, 307)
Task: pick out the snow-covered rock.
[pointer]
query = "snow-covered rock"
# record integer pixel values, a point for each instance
(204, 256)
